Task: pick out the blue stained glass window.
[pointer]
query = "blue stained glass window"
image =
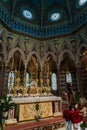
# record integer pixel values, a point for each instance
(82, 2)
(27, 14)
(55, 16)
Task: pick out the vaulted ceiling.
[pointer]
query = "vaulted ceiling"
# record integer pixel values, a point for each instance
(44, 18)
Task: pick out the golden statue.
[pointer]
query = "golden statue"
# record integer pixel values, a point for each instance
(41, 86)
(17, 81)
(15, 91)
(48, 88)
(24, 91)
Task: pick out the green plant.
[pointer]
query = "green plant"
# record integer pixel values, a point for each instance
(83, 125)
(6, 103)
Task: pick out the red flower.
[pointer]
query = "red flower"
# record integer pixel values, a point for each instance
(76, 117)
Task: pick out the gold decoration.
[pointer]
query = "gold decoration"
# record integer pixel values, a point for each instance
(15, 91)
(48, 88)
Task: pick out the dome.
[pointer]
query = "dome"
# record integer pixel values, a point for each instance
(44, 18)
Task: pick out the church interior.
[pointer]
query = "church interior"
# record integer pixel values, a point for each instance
(43, 62)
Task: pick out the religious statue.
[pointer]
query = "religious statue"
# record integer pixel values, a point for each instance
(18, 81)
(71, 95)
(41, 86)
(33, 90)
(48, 88)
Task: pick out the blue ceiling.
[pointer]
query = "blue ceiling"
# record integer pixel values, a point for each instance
(73, 16)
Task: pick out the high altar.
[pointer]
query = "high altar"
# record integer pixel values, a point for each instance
(35, 108)
(34, 102)
(37, 104)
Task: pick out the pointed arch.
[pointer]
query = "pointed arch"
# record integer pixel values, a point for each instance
(11, 53)
(31, 54)
(60, 58)
(17, 43)
(51, 54)
(79, 52)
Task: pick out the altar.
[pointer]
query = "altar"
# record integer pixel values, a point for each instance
(36, 108)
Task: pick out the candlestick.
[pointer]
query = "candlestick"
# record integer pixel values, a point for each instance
(12, 62)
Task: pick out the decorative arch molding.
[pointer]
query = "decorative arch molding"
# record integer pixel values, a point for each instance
(1, 30)
(66, 45)
(53, 57)
(83, 37)
(60, 58)
(17, 42)
(11, 53)
(30, 55)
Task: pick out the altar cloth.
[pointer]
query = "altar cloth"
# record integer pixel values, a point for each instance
(31, 99)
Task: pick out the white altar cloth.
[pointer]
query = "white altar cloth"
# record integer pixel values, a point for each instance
(19, 100)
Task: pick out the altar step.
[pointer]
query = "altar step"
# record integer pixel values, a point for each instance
(43, 124)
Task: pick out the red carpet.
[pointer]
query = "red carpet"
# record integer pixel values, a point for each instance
(37, 124)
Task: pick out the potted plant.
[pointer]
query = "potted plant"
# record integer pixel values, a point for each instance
(6, 103)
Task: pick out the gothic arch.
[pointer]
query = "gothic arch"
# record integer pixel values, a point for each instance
(79, 52)
(31, 54)
(17, 43)
(60, 58)
(47, 54)
(11, 53)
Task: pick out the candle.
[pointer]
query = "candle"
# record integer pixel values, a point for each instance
(12, 63)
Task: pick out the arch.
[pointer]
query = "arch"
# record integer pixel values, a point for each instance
(11, 53)
(17, 41)
(60, 58)
(53, 57)
(79, 52)
(31, 54)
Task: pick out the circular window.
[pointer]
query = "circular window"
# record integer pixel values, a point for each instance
(82, 2)
(27, 14)
(55, 16)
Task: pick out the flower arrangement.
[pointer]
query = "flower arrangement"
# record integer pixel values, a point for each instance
(6, 103)
(84, 112)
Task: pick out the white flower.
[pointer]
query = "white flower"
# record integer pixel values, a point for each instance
(84, 111)
(2, 101)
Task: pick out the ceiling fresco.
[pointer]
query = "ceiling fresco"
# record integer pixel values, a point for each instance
(44, 18)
